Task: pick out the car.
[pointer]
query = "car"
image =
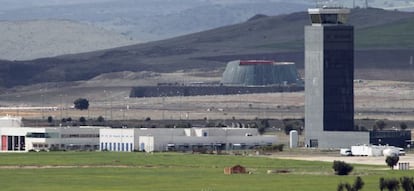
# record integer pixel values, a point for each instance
(345, 152)
(401, 152)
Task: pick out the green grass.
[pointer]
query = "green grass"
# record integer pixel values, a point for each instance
(397, 35)
(172, 171)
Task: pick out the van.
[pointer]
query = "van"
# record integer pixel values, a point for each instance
(345, 152)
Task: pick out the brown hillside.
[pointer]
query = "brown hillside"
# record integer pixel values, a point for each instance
(277, 37)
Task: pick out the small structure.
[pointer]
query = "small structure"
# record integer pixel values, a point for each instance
(260, 73)
(293, 139)
(403, 166)
(238, 169)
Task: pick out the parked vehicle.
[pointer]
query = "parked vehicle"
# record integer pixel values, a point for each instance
(345, 152)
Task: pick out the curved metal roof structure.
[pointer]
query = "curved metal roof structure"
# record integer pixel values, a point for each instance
(260, 73)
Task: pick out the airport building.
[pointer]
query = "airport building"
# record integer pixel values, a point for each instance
(16, 138)
(24, 139)
(329, 75)
(182, 139)
(260, 73)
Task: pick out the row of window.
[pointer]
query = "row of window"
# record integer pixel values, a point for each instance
(117, 146)
(117, 136)
(80, 135)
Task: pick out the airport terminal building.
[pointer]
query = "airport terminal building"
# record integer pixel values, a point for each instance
(15, 138)
(182, 139)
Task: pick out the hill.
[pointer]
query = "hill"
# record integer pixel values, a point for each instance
(274, 37)
(149, 20)
(26, 40)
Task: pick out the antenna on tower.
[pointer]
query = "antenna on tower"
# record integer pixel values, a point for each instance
(327, 3)
(366, 4)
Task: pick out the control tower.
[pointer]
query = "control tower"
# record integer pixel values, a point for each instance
(329, 75)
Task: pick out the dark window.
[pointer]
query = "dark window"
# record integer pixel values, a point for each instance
(9, 143)
(314, 143)
(329, 18)
(315, 18)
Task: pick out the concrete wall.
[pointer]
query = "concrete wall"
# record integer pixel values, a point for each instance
(166, 91)
(340, 139)
(313, 82)
(329, 96)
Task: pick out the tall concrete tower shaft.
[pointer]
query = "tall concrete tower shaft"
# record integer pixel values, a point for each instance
(329, 75)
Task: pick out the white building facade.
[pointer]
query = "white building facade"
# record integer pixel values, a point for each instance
(24, 139)
(188, 139)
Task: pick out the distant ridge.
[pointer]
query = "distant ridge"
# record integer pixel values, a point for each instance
(26, 40)
(382, 45)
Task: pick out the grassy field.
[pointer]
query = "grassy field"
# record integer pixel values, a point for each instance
(168, 171)
(396, 35)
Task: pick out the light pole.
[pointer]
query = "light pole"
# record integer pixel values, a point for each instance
(43, 106)
(61, 107)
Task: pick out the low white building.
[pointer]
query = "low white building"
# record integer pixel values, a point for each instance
(10, 121)
(24, 139)
(15, 138)
(177, 139)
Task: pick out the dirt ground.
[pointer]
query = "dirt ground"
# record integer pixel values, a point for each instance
(373, 99)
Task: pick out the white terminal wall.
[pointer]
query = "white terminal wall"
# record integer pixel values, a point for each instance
(158, 139)
(80, 136)
(9, 121)
(160, 143)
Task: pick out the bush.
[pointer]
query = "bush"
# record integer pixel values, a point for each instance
(392, 161)
(389, 184)
(292, 124)
(379, 124)
(100, 119)
(403, 126)
(407, 183)
(50, 119)
(278, 147)
(82, 120)
(261, 130)
(358, 185)
(81, 104)
(342, 168)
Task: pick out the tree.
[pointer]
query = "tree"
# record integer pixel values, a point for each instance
(391, 184)
(50, 119)
(358, 184)
(100, 119)
(261, 130)
(292, 125)
(403, 126)
(344, 187)
(407, 183)
(342, 168)
(81, 104)
(380, 124)
(382, 183)
(392, 161)
(82, 120)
